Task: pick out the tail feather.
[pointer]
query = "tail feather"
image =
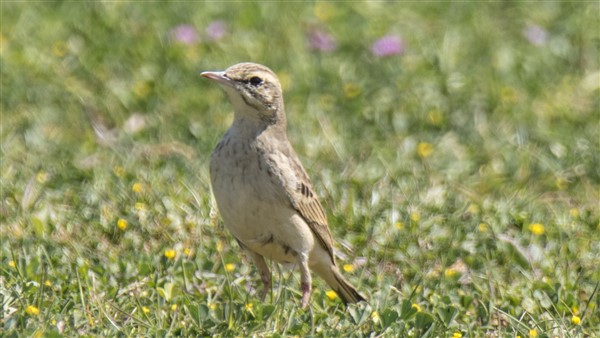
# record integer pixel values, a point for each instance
(343, 288)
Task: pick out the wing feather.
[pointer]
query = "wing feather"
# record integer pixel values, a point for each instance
(286, 167)
(311, 210)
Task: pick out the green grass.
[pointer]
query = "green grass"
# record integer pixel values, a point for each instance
(460, 178)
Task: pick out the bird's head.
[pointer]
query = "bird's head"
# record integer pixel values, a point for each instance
(253, 89)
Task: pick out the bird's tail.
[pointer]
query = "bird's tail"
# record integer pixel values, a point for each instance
(336, 281)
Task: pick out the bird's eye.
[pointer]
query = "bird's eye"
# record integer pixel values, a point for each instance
(255, 80)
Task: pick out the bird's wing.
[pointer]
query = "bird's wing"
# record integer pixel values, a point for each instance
(287, 168)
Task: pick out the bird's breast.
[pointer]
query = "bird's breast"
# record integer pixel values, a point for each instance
(253, 204)
(242, 183)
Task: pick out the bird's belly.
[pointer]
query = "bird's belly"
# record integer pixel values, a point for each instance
(273, 232)
(274, 238)
(256, 212)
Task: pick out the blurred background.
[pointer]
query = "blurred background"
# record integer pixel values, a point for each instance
(418, 123)
(365, 83)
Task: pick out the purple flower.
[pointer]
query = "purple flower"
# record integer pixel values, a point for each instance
(536, 35)
(322, 41)
(216, 30)
(388, 45)
(186, 34)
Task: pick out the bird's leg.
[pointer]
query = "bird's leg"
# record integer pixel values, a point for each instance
(305, 279)
(263, 270)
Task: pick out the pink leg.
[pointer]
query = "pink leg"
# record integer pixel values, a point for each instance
(305, 279)
(263, 270)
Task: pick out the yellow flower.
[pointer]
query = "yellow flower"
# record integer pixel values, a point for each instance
(48, 283)
(399, 225)
(141, 89)
(145, 309)
(59, 48)
(119, 171)
(450, 273)
(170, 254)
(457, 335)
(574, 212)
(122, 224)
(435, 117)
(12, 264)
(483, 227)
(562, 183)
(537, 229)
(533, 333)
(32, 310)
(575, 309)
(229, 267)
(212, 306)
(473, 209)
(41, 177)
(351, 90)
(187, 252)
(508, 95)
(137, 187)
(416, 307)
(348, 267)
(576, 320)
(324, 10)
(424, 149)
(331, 294)
(192, 54)
(375, 317)
(139, 206)
(415, 216)
(219, 246)
(249, 306)
(174, 307)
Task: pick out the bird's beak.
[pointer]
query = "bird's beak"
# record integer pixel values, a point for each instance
(219, 77)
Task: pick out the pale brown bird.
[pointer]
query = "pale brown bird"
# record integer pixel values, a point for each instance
(264, 196)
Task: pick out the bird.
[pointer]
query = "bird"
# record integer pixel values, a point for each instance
(263, 194)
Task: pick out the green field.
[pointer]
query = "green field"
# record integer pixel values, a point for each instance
(457, 159)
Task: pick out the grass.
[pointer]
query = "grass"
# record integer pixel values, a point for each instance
(460, 176)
